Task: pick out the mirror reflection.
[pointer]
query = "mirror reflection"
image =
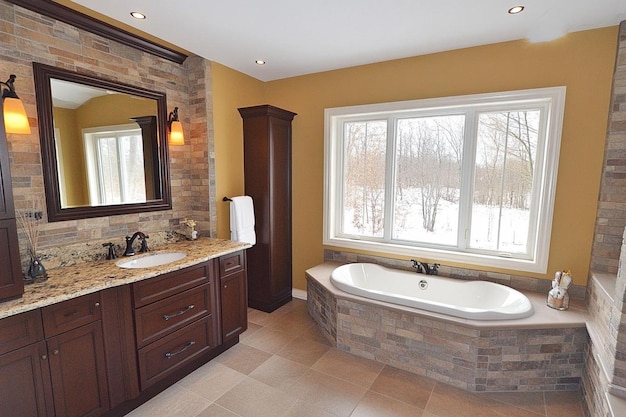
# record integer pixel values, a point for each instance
(104, 149)
(104, 144)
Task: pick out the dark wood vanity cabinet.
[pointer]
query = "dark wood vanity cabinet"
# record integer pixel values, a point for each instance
(107, 352)
(233, 295)
(267, 174)
(56, 365)
(11, 283)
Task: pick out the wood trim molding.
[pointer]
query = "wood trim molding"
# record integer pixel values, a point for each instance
(82, 21)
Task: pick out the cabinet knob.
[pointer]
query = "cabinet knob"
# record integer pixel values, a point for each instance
(55, 352)
(225, 285)
(44, 357)
(97, 304)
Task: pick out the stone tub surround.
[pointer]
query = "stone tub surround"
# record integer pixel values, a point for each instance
(519, 282)
(601, 390)
(543, 352)
(83, 278)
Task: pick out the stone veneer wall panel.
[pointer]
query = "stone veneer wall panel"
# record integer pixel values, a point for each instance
(611, 216)
(202, 182)
(617, 323)
(27, 36)
(594, 386)
(322, 307)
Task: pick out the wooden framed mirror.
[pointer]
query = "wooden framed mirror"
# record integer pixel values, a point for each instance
(103, 145)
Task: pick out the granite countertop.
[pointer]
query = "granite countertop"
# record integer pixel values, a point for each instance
(73, 281)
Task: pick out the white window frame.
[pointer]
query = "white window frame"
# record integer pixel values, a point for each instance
(551, 100)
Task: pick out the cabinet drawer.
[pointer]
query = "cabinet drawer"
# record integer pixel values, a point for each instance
(158, 319)
(70, 314)
(230, 263)
(168, 354)
(20, 330)
(158, 288)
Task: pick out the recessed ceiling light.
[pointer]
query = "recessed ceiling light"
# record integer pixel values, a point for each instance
(138, 15)
(259, 62)
(516, 9)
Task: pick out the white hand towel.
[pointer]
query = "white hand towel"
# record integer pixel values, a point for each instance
(242, 220)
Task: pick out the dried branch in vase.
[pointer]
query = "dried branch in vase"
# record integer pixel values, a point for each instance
(29, 222)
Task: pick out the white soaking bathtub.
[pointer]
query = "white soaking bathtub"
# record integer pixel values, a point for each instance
(477, 300)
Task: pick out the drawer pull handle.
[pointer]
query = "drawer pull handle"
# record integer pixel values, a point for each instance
(170, 355)
(70, 313)
(166, 317)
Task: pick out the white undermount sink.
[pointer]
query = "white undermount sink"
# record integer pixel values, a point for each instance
(153, 259)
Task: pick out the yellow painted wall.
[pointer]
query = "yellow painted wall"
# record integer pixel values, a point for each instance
(72, 157)
(582, 61)
(231, 90)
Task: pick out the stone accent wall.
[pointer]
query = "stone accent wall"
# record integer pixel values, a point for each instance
(605, 365)
(617, 324)
(611, 217)
(594, 386)
(203, 153)
(600, 306)
(25, 37)
(475, 359)
(519, 282)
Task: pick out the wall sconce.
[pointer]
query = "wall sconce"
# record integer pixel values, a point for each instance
(15, 118)
(176, 128)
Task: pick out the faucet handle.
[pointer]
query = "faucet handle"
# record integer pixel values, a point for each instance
(144, 243)
(129, 247)
(417, 265)
(111, 252)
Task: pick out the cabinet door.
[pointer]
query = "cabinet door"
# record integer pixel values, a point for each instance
(233, 299)
(25, 383)
(11, 283)
(78, 372)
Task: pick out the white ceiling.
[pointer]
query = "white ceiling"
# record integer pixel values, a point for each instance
(299, 37)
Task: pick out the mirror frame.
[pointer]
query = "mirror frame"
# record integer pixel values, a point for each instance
(43, 74)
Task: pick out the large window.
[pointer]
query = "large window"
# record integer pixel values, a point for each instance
(466, 179)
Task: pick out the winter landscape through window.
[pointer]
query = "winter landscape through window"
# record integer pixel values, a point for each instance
(466, 179)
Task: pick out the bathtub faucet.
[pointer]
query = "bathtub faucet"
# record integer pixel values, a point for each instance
(424, 268)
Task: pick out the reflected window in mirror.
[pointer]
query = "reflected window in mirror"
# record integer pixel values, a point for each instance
(114, 159)
(104, 145)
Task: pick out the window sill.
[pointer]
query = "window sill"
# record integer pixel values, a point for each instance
(441, 256)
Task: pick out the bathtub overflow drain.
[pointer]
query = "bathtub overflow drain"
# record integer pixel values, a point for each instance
(423, 284)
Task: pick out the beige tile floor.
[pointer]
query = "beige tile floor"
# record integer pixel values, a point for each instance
(283, 367)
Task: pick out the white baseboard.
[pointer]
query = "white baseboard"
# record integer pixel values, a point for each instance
(300, 294)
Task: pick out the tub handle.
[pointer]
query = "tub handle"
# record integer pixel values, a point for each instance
(423, 284)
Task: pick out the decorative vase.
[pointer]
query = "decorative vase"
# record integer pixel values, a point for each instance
(36, 271)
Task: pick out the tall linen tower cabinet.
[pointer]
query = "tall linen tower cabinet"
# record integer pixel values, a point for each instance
(267, 174)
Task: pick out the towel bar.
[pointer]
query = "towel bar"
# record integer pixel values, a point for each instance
(226, 199)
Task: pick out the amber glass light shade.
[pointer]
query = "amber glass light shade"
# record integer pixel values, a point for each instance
(15, 118)
(176, 133)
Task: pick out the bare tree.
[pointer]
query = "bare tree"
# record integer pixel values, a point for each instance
(365, 148)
